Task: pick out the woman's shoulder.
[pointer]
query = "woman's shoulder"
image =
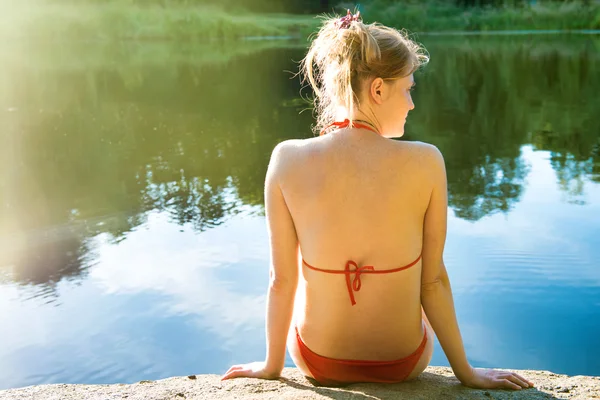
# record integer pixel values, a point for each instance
(294, 144)
(289, 152)
(424, 160)
(292, 149)
(302, 143)
(423, 152)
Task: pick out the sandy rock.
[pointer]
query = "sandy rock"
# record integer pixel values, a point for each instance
(434, 383)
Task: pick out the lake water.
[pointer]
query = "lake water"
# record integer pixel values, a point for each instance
(132, 231)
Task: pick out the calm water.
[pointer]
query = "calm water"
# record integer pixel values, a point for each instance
(133, 241)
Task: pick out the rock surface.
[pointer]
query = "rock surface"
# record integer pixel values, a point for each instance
(434, 383)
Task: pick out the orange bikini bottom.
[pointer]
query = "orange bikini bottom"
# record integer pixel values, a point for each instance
(336, 372)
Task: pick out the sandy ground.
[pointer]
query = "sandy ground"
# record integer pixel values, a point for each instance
(434, 383)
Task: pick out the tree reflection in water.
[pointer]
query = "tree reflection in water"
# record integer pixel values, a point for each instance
(100, 140)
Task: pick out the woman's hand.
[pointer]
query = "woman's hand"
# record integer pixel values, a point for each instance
(252, 370)
(493, 379)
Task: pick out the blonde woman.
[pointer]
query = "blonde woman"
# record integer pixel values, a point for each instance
(366, 216)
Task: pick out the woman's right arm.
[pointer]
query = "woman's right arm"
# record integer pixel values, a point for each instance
(436, 294)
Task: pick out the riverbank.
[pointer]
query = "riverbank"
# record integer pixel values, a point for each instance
(114, 20)
(434, 383)
(437, 15)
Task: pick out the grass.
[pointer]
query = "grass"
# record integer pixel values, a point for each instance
(437, 15)
(113, 20)
(126, 20)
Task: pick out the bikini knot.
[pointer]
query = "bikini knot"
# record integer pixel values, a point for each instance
(355, 285)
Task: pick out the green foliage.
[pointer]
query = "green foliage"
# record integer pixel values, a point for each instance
(435, 15)
(205, 20)
(130, 20)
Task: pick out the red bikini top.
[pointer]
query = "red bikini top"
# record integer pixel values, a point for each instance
(346, 123)
(368, 269)
(355, 285)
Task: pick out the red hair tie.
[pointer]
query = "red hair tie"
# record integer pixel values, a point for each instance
(344, 22)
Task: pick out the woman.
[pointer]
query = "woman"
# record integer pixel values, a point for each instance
(368, 216)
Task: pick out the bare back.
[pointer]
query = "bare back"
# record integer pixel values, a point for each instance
(354, 195)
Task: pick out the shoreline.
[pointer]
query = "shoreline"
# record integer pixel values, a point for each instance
(298, 39)
(434, 383)
(513, 32)
(115, 21)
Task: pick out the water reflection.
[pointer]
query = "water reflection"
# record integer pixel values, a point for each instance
(131, 198)
(162, 301)
(99, 143)
(99, 155)
(481, 99)
(194, 274)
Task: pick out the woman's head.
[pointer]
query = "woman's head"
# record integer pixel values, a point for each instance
(362, 71)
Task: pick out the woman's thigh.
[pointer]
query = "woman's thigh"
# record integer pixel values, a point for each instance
(294, 350)
(427, 353)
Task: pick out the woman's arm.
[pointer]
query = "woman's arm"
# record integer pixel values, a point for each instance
(436, 293)
(283, 274)
(283, 271)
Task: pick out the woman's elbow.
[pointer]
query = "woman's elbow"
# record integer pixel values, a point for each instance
(441, 281)
(282, 283)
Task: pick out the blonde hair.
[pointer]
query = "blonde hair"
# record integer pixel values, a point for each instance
(340, 59)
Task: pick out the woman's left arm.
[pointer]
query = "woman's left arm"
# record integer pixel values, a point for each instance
(283, 274)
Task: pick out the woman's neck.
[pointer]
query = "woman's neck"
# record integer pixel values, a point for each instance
(357, 116)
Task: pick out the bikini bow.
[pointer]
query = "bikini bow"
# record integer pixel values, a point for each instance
(355, 284)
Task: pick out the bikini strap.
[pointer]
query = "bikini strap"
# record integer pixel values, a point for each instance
(354, 285)
(346, 123)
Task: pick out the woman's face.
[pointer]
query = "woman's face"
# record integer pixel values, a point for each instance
(395, 105)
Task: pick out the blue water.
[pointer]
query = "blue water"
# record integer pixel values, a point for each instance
(148, 258)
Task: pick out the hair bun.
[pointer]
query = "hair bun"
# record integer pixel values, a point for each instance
(346, 21)
(345, 52)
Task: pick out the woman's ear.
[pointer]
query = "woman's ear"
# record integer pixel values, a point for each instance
(376, 90)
